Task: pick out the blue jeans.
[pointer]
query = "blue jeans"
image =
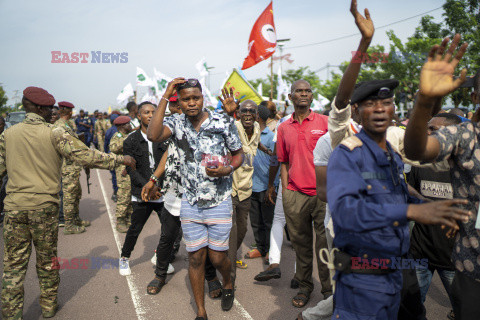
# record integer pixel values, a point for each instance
(425, 275)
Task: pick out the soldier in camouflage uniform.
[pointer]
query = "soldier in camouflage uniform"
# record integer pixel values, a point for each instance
(35, 150)
(124, 195)
(72, 190)
(101, 127)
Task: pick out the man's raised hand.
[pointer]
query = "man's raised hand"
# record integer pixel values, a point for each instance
(364, 24)
(170, 91)
(436, 78)
(228, 101)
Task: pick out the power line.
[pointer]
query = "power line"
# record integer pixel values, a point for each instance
(356, 34)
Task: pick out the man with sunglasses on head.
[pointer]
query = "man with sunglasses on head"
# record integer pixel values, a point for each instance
(204, 141)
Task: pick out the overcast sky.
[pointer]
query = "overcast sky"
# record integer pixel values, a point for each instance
(172, 36)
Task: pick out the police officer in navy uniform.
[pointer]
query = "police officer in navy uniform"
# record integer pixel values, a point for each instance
(370, 207)
(84, 125)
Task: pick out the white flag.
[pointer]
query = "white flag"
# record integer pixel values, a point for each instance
(161, 81)
(208, 99)
(126, 93)
(143, 80)
(320, 103)
(282, 87)
(260, 88)
(150, 96)
(202, 67)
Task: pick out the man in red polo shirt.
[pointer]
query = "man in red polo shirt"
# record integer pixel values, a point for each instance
(296, 140)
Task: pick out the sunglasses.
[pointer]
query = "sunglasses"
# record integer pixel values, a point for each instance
(188, 84)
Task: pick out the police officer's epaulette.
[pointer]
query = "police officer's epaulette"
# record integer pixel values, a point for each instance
(352, 142)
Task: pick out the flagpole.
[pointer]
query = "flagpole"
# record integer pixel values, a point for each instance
(271, 78)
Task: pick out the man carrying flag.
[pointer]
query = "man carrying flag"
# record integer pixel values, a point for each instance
(263, 39)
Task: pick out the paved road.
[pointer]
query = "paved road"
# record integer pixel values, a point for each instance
(101, 293)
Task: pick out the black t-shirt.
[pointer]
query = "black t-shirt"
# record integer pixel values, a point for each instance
(430, 241)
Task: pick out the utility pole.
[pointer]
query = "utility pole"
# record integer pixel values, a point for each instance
(280, 45)
(271, 78)
(328, 71)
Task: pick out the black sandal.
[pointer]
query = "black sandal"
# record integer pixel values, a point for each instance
(301, 298)
(201, 318)
(155, 286)
(214, 285)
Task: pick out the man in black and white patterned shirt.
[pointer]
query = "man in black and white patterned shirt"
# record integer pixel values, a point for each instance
(204, 141)
(171, 232)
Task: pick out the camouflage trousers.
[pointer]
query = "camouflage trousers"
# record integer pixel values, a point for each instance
(20, 229)
(101, 142)
(72, 193)
(124, 208)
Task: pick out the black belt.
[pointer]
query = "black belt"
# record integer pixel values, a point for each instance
(343, 263)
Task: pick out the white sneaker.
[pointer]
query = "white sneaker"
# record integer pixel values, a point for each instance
(170, 269)
(154, 259)
(124, 267)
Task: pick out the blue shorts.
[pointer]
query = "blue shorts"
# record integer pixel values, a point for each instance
(206, 227)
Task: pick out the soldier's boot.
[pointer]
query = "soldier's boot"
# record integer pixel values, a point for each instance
(84, 223)
(122, 226)
(80, 222)
(73, 229)
(50, 313)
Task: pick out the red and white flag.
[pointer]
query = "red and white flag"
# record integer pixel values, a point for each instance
(263, 39)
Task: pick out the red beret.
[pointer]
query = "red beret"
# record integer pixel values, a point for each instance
(173, 98)
(39, 96)
(66, 104)
(121, 120)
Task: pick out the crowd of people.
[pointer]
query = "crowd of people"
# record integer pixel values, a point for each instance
(381, 208)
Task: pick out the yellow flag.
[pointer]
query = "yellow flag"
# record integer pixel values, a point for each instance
(242, 89)
(109, 109)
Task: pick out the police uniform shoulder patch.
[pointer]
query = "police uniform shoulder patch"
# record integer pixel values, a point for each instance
(119, 135)
(352, 142)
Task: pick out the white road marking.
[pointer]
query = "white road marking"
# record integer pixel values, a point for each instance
(139, 309)
(242, 310)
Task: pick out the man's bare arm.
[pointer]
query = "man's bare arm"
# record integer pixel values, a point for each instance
(272, 174)
(436, 81)
(156, 131)
(284, 175)
(347, 84)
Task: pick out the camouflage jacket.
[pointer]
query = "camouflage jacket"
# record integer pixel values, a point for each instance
(68, 165)
(31, 153)
(116, 143)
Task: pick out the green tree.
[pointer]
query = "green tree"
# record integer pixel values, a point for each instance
(406, 59)
(290, 76)
(3, 100)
